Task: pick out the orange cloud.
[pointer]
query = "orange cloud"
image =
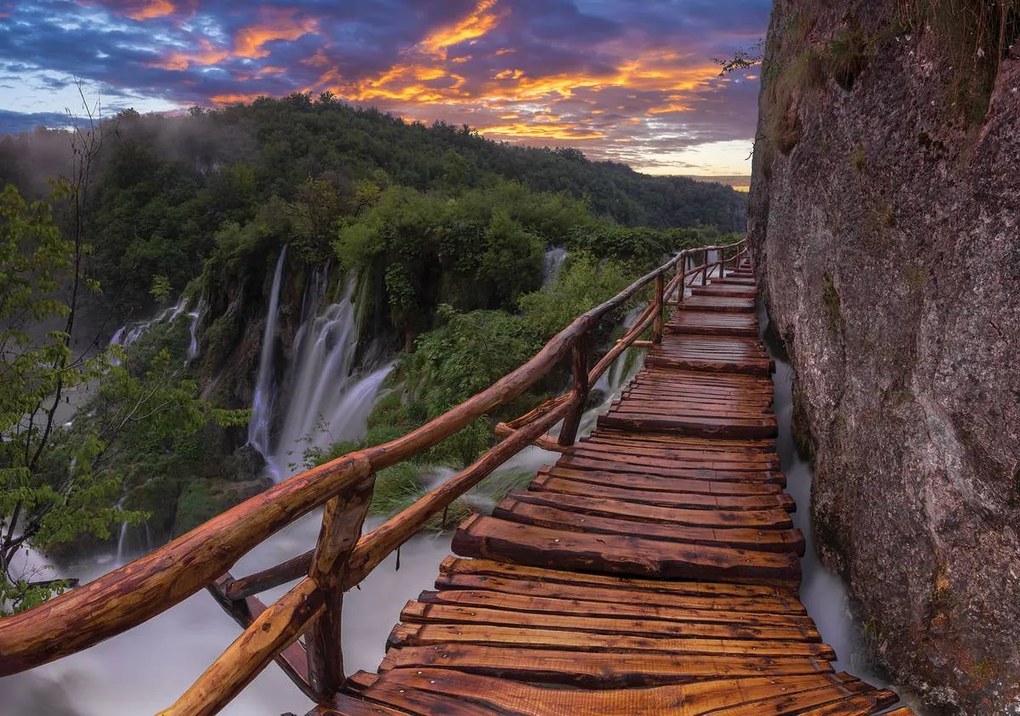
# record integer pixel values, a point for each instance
(477, 24)
(234, 98)
(249, 43)
(531, 130)
(153, 9)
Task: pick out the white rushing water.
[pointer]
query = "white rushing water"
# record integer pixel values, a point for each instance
(823, 592)
(262, 401)
(554, 259)
(145, 669)
(130, 333)
(193, 320)
(327, 398)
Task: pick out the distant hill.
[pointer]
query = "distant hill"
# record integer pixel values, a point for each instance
(739, 182)
(287, 140)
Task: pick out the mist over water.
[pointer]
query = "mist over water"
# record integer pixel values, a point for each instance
(822, 591)
(147, 668)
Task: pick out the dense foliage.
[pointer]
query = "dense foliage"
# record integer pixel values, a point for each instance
(60, 482)
(166, 185)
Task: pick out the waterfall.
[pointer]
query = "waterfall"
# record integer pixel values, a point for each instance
(130, 333)
(194, 317)
(554, 258)
(262, 402)
(121, 539)
(328, 398)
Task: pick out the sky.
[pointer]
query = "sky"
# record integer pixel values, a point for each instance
(627, 80)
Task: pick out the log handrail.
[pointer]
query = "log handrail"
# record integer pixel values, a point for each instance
(148, 586)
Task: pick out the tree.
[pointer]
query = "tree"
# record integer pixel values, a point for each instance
(39, 491)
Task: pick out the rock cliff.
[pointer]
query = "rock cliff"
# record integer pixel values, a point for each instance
(885, 223)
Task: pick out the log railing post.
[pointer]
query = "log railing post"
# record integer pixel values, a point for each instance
(659, 300)
(342, 520)
(579, 366)
(704, 272)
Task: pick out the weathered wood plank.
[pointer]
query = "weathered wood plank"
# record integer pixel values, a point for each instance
(416, 612)
(538, 638)
(632, 587)
(546, 516)
(583, 607)
(538, 546)
(595, 669)
(776, 519)
(664, 498)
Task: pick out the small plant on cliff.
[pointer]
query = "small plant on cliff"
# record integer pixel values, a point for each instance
(833, 309)
(859, 158)
(975, 36)
(847, 54)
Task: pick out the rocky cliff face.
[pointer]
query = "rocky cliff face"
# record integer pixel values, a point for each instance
(885, 222)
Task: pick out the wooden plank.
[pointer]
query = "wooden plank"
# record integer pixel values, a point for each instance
(489, 537)
(860, 705)
(665, 456)
(512, 697)
(347, 705)
(540, 639)
(582, 607)
(416, 612)
(672, 440)
(699, 426)
(743, 366)
(618, 587)
(686, 500)
(798, 703)
(693, 600)
(726, 304)
(407, 699)
(776, 519)
(595, 669)
(636, 480)
(546, 516)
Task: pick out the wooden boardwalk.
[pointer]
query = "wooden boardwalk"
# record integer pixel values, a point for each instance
(652, 570)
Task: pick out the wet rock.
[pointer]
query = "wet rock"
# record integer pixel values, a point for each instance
(249, 463)
(888, 239)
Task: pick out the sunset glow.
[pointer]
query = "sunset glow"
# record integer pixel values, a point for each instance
(632, 82)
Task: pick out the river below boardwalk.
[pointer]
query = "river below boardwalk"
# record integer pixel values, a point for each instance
(146, 669)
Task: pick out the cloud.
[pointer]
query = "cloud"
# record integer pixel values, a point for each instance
(12, 122)
(616, 78)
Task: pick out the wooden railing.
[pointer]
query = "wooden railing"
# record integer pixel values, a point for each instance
(342, 557)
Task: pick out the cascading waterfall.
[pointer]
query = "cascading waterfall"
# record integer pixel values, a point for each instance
(262, 402)
(194, 318)
(328, 398)
(128, 334)
(554, 259)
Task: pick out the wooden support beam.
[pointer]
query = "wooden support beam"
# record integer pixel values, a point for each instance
(293, 660)
(579, 389)
(544, 441)
(273, 630)
(269, 578)
(660, 290)
(342, 521)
